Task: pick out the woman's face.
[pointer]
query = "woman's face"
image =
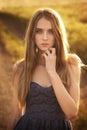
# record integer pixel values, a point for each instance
(44, 36)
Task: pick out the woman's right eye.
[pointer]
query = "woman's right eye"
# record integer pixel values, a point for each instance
(38, 31)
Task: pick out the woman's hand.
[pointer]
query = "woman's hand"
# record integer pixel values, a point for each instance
(50, 60)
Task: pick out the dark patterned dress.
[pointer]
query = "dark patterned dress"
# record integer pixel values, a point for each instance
(43, 111)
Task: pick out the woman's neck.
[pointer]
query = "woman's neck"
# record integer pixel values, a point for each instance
(41, 60)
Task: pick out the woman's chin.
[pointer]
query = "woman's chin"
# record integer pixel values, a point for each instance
(43, 50)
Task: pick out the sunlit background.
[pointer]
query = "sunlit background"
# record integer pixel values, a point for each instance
(14, 18)
(9, 3)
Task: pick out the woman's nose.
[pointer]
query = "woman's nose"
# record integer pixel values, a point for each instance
(45, 36)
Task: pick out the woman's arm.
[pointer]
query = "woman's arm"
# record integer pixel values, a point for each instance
(68, 101)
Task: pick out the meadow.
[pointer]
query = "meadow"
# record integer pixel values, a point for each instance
(73, 15)
(13, 24)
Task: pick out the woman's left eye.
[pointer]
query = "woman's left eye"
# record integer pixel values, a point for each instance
(50, 31)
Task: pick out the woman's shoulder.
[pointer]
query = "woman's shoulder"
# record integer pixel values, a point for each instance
(19, 64)
(74, 65)
(74, 59)
(18, 67)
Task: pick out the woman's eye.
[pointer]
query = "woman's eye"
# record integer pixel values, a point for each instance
(50, 31)
(38, 31)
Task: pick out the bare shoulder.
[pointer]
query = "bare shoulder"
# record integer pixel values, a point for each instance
(18, 65)
(74, 65)
(74, 59)
(18, 68)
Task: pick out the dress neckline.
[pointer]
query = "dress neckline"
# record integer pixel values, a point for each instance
(41, 86)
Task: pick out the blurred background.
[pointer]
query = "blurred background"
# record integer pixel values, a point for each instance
(14, 18)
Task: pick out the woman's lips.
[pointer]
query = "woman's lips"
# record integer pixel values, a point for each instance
(44, 44)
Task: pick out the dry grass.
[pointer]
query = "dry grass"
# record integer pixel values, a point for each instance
(12, 49)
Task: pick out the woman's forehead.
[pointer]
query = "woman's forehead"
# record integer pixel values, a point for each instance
(43, 22)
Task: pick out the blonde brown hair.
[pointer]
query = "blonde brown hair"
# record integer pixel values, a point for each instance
(31, 60)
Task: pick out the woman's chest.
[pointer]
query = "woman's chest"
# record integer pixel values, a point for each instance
(41, 77)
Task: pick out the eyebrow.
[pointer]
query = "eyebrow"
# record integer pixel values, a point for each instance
(38, 28)
(42, 28)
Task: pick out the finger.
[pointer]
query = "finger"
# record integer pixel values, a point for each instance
(53, 51)
(44, 55)
(47, 52)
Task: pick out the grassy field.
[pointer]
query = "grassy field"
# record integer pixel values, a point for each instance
(13, 24)
(17, 3)
(73, 15)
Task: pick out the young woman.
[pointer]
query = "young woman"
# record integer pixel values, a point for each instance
(46, 81)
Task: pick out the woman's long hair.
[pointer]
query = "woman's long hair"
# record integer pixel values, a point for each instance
(31, 56)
